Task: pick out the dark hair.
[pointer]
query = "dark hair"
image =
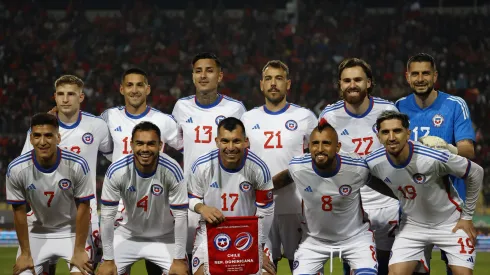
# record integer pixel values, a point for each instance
(206, 55)
(230, 124)
(146, 126)
(354, 62)
(323, 125)
(135, 70)
(422, 57)
(44, 119)
(68, 79)
(387, 115)
(277, 64)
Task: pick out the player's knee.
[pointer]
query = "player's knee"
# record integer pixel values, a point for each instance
(365, 271)
(200, 270)
(459, 270)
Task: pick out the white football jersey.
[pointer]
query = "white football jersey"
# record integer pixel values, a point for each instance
(357, 133)
(276, 137)
(331, 202)
(234, 192)
(148, 198)
(422, 185)
(198, 124)
(121, 124)
(52, 193)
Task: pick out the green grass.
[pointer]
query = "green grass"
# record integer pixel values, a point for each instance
(7, 260)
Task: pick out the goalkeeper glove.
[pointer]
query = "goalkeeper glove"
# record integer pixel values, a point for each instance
(438, 143)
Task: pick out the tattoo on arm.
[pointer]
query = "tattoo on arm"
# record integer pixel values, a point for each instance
(282, 179)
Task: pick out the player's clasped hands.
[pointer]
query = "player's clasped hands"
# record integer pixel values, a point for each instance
(179, 267)
(212, 214)
(23, 263)
(468, 227)
(81, 260)
(107, 268)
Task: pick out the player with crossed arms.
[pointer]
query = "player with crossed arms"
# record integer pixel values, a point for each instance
(433, 213)
(152, 187)
(83, 134)
(278, 131)
(230, 181)
(56, 184)
(198, 117)
(121, 120)
(329, 182)
(354, 119)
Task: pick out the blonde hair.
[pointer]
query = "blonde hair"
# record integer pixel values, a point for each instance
(68, 79)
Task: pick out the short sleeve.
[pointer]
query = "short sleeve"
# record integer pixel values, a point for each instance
(110, 192)
(15, 191)
(194, 185)
(106, 144)
(83, 185)
(451, 164)
(463, 127)
(170, 134)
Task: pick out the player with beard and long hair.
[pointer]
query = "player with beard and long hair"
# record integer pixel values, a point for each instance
(435, 113)
(354, 119)
(277, 132)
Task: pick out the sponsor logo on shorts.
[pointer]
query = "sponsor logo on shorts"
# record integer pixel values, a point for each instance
(245, 186)
(156, 189)
(295, 264)
(219, 119)
(243, 241)
(87, 138)
(64, 184)
(345, 190)
(438, 120)
(195, 262)
(291, 125)
(222, 242)
(419, 178)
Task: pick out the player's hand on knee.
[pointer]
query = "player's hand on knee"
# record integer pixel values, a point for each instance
(107, 268)
(179, 267)
(23, 263)
(468, 227)
(81, 260)
(212, 215)
(268, 265)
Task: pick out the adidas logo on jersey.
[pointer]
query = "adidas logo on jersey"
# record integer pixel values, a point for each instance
(131, 189)
(308, 189)
(31, 187)
(118, 129)
(189, 120)
(214, 185)
(344, 133)
(256, 126)
(470, 259)
(387, 180)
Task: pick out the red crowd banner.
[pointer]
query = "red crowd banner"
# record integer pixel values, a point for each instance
(233, 246)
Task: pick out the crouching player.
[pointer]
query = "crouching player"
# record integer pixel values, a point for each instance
(329, 183)
(152, 188)
(230, 170)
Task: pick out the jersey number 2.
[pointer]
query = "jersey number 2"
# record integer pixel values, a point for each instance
(365, 143)
(270, 135)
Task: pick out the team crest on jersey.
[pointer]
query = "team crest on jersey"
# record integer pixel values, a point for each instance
(64, 184)
(243, 241)
(345, 190)
(88, 138)
(245, 186)
(270, 195)
(195, 262)
(156, 189)
(291, 125)
(419, 178)
(219, 119)
(222, 242)
(438, 120)
(295, 264)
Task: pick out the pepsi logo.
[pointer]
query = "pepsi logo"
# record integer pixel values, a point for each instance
(245, 186)
(156, 189)
(345, 190)
(419, 178)
(219, 119)
(87, 138)
(64, 184)
(222, 242)
(243, 241)
(437, 120)
(291, 125)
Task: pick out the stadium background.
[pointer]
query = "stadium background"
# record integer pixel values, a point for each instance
(98, 40)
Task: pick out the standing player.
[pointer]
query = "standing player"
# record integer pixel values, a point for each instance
(329, 184)
(233, 172)
(433, 212)
(278, 131)
(121, 120)
(198, 117)
(354, 119)
(153, 188)
(56, 184)
(83, 134)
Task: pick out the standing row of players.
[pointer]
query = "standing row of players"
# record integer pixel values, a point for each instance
(277, 131)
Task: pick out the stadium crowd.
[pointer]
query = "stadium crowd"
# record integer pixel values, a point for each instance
(36, 48)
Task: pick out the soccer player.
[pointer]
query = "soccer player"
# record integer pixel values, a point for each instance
(56, 184)
(230, 170)
(329, 183)
(121, 120)
(152, 187)
(83, 134)
(433, 212)
(354, 119)
(435, 113)
(277, 131)
(198, 117)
